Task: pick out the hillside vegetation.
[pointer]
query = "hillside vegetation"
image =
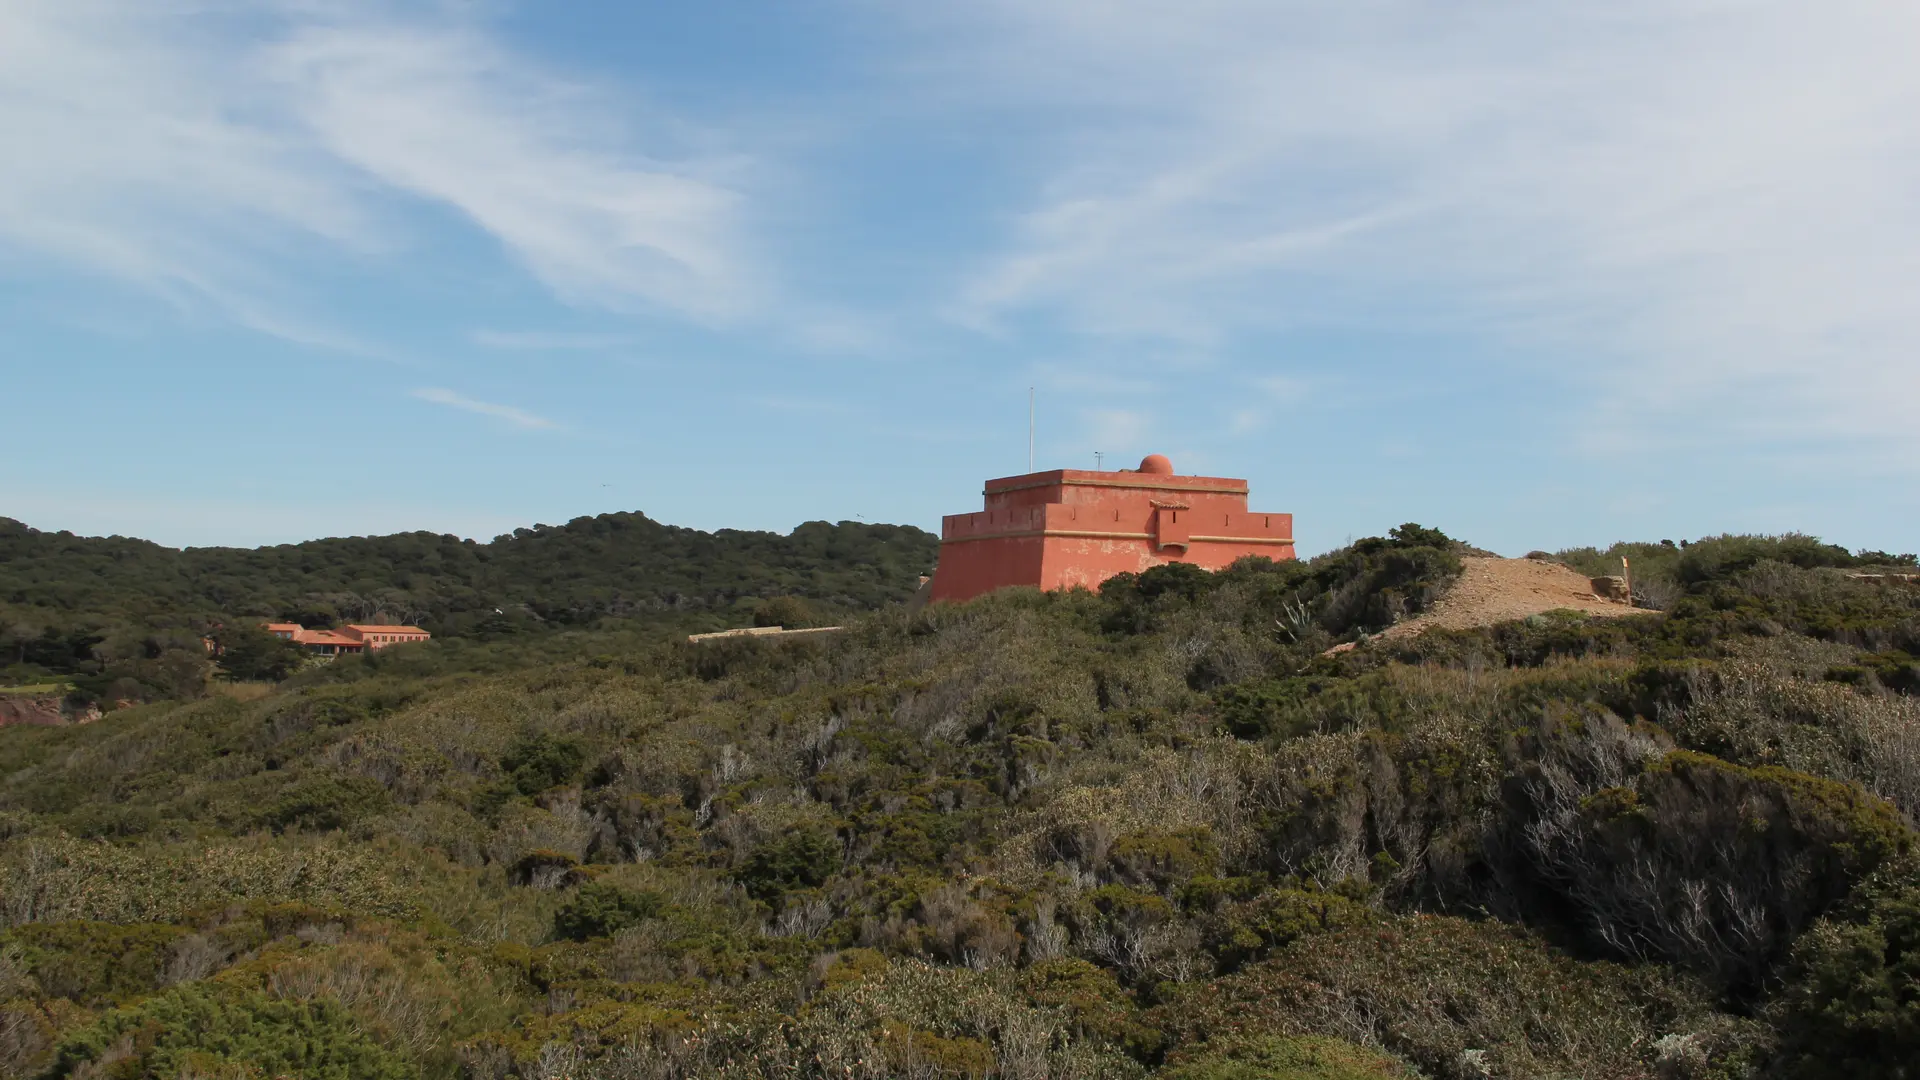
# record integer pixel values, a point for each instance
(1151, 830)
(107, 610)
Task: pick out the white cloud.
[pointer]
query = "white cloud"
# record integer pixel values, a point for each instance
(1709, 201)
(801, 405)
(196, 148)
(545, 341)
(838, 332)
(1081, 378)
(1283, 389)
(532, 159)
(514, 417)
(1115, 433)
(1243, 421)
(1273, 394)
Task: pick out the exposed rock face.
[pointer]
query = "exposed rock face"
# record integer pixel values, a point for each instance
(46, 710)
(1612, 588)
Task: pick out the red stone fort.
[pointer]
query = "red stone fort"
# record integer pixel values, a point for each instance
(1073, 527)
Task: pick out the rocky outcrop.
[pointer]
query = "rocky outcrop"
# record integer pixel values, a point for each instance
(43, 710)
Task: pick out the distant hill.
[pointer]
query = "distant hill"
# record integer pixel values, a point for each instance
(55, 585)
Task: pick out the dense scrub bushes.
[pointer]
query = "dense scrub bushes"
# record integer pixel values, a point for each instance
(602, 910)
(1698, 861)
(55, 878)
(208, 1031)
(1662, 571)
(1151, 828)
(890, 1020)
(1300, 1057)
(1463, 999)
(1366, 587)
(1852, 1003)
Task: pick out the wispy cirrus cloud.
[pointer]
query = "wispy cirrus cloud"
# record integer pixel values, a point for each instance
(1710, 201)
(199, 149)
(517, 418)
(1115, 432)
(546, 340)
(538, 161)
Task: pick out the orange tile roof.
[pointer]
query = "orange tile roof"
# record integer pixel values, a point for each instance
(325, 637)
(382, 628)
(273, 626)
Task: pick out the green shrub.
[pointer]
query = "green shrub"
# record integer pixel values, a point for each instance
(1720, 558)
(1851, 1004)
(1895, 670)
(1242, 933)
(325, 802)
(1364, 587)
(247, 652)
(1303, 1057)
(1709, 864)
(925, 1021)
(911, 1051)
(1459, 1000)
(94, 963)
(602, 910)
(1316, 704)
(204, 1029)
(1376, 582)
(791, 612)
(851, 966)
(544, 868)
(1164, 860)
(57, 878)
(539, 761)
(803, 859)
(1098, 1006)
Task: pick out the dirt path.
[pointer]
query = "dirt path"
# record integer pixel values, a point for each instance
(1496, 590)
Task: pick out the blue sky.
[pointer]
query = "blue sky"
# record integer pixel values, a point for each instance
(1540, 274)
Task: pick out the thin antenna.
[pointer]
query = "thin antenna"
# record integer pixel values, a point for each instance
(1029, 429)
(1096, 461)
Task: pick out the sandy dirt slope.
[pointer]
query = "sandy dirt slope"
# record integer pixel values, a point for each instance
(1497, 590)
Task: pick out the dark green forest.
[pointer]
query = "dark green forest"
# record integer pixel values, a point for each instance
(1153, 830)
(123, 618)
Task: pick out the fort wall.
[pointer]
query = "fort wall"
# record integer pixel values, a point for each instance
(1073, 527)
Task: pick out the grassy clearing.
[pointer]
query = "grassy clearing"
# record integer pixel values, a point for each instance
(243, 691)
(36, 689)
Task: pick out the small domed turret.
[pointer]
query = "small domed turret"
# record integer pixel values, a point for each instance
(1156, 464)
